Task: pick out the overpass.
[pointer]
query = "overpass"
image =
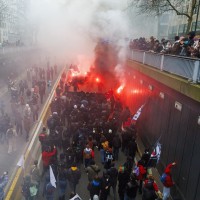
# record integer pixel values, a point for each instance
(171, 113)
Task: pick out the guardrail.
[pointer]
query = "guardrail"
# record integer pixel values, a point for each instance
(32, 150)
(185, 67)
(14, 49)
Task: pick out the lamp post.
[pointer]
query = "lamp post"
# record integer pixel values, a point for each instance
(197, 18)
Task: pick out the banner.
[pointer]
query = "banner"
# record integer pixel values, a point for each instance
(20, 163)
(52, 177)
(138, 113)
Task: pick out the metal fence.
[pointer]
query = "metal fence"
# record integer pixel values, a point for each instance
(185, 67)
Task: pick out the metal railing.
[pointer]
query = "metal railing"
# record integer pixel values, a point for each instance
(185, 67)
(14, 49)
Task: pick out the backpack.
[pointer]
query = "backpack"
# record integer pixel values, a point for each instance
(149, 185)
(163, 178)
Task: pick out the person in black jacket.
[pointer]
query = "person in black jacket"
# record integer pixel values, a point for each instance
(105, 187)
(113, 173)
(123, 178)
(132, 148)
(131, 188)
(94, 187)
(73, 176)
(116, 145)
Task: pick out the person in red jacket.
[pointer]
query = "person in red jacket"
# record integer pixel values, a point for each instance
(168, 182)
(46, 157)
(142, 174)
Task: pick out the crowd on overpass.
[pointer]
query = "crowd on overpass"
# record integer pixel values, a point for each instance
(181, 46)
(82, 127)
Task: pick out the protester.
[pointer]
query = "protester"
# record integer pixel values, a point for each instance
(35, 173)
(94, 187)
(167, 180)
(46, 157)
(92, 170)
(11, 135)
(131, 188)
(73, 176)
(150, 189)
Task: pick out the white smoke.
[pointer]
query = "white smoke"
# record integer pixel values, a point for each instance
(71, 28)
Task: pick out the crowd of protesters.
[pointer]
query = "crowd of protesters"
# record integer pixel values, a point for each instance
(26, 96)
(81, 127)
(182, 46)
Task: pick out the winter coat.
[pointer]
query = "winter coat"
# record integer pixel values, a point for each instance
(116, 142)
(123, 178)
(88, 153)
(73, 175)
(94, 187)
(168, 180)
(142, 172)
(149, 190)
(132, 148)
(46, 157)
(92, 171)
(113, 173)
(131, 189)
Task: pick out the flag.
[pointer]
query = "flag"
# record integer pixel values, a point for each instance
(76, 197)
(20, 163)
(52, 177)
(156, 152)
(137, 114)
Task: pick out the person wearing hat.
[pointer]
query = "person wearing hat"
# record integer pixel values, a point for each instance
(43, 138)
(73, 176)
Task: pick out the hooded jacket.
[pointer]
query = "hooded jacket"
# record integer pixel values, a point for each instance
(46, 157)
(168, 181)
(92, 171)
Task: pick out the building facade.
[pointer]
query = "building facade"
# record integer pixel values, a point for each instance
(178, 23)
(13, 21)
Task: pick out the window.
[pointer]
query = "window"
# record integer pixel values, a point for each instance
(164, 18)
(182, 28)
(170, 30)
(194, 24)
(174, 29)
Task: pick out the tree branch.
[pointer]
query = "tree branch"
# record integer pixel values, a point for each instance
(178, 12)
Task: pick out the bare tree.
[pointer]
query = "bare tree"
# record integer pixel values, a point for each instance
(158, 7)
